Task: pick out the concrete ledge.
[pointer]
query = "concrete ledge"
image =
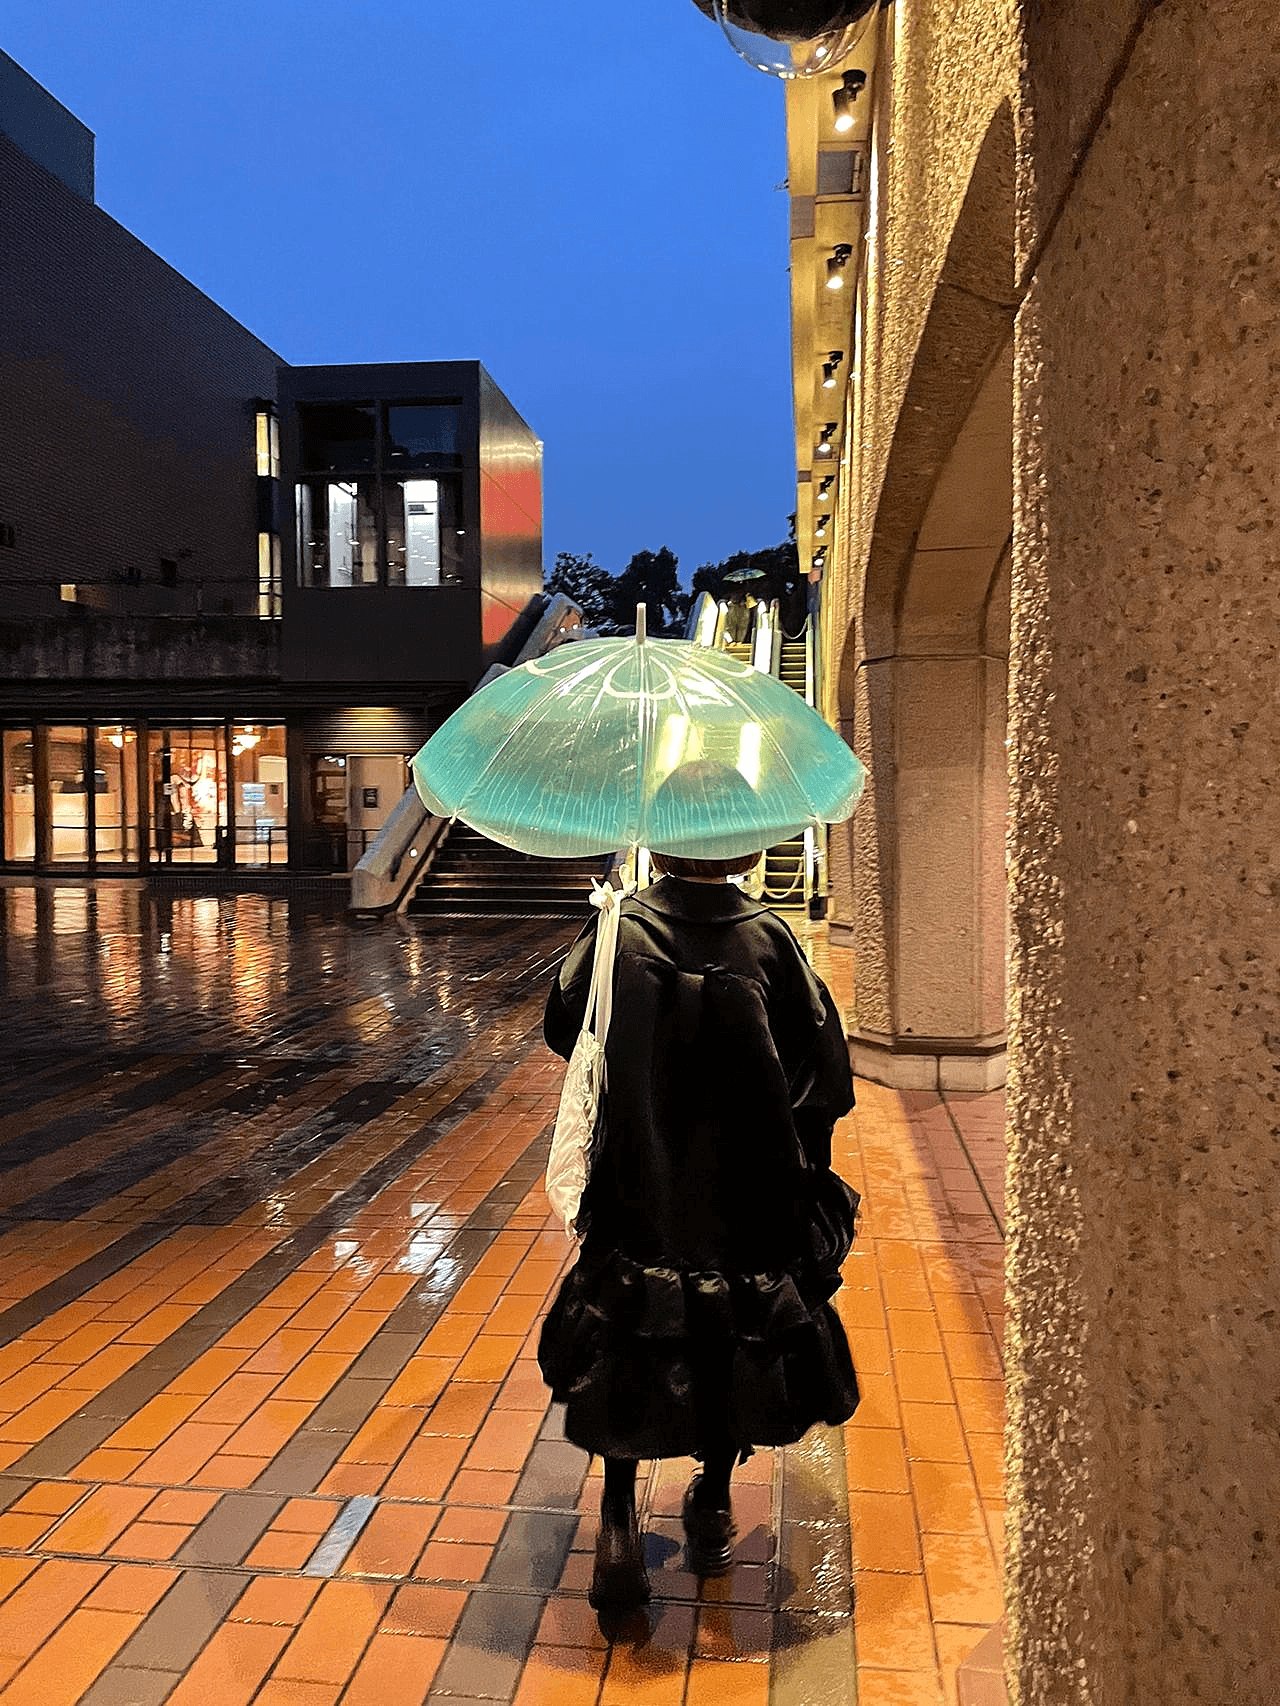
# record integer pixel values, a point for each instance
(929, 1063)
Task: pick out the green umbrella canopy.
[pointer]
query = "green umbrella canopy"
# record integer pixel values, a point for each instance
(611, 744)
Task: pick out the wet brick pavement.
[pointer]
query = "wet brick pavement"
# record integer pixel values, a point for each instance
(273, 1253)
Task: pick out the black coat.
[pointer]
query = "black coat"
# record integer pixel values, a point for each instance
(696, 1314)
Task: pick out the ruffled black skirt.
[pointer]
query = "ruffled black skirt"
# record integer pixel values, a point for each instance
(655, 1362)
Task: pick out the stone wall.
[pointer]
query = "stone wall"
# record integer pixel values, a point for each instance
(1146, 1016)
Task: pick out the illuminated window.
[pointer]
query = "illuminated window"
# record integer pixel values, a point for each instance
(268, 444)
(69, 592)
(269, 600)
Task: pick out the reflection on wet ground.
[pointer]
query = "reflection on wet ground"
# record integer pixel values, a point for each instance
(273, 1252)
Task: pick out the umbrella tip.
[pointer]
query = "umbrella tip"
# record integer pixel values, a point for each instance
(641, 624)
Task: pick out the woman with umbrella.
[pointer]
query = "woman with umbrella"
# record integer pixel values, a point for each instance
(697, 1320)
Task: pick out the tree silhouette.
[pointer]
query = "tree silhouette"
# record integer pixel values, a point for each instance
(651, 578)
(586, 582)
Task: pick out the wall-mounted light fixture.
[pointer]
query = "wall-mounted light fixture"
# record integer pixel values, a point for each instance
(820, 558)
(844, 98)
(825, 485)
(820, 531)
(837, 261)
(823, 446)
(829, 367)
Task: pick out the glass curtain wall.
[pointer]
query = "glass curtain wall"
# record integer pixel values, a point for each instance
(187, 766)
(70, 808)
(116, 838)
(19, 779)
(260, 772)
(379, 501)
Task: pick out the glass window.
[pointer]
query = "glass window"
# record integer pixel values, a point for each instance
(337, 437)
(423, 539)
(269, 588)
(68, 795)
(424, 435)
(260, 770)
(19, 795)
(328, 811)
(115, 834)
(188, 794)
(268, 444)
(337, 533)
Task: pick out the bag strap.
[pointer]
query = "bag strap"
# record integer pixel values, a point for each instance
(599, 1009)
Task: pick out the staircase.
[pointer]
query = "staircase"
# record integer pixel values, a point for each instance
(784, 865)
(474, 875)
(742, 651)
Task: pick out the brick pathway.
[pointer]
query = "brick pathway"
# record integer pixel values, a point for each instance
(273, 1252)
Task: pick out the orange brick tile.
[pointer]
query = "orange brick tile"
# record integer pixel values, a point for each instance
(185, 1453)
(17, 1533)
(98, 1373)
(717, 1683)
(101, 1519)
(973, 1356)
(461, 1408)
(453, 1561)
(489, 1358)
(913, 1330)
(514, 1314)
(987, 1454)
(462, 1523)
(524, 1388)
(946, 1498)
(452, 1336)
(282, 1551)
(933, 1432)
(307, 1516)
(232, 1666)
(48, 1498)
(208, 1372)
(892, 1622)
(504, 1441)
(26, 1386)
(41, 1418)
(257, 1327)
(482, 1487)
(348, 1480)
(421, 1381)
(155, 1327)
(535, 1278)
(396, 1670)
(283, 1351)
(982, 1405)
(390, 1542)
(315, 1376)
(270, 1428)
(237, 1398)
(275, 1599)
(426, 1468)
(72, 1659)
(38, 1605)
(560, 1676)
(883, 1529)
(385, 1292)
(653, 1673)
(477, 1294)
(898, 1688)
(137, 1588)
(13, 1572)
(960, 1573)
(426, 1611)
(155, 1540)
(81, 1346)
(384, 1437)
(110, 1465)
(225, 1471)
(570, 1623)
(921, 1377)
(289, 1693)
(154, 1422)
(334, 1632)
(352, 1332)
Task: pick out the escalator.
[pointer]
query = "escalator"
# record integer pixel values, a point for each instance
(784, 865)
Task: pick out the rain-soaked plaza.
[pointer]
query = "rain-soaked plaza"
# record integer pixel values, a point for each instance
(275, 1254)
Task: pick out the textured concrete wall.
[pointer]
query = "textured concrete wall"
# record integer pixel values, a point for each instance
(1146, 1166)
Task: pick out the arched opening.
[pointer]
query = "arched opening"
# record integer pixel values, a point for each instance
(925, 694)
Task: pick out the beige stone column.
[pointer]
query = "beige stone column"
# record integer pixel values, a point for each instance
(928, 873)
(1145, 1026)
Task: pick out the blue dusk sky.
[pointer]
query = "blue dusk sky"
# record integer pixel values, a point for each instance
(582, 194)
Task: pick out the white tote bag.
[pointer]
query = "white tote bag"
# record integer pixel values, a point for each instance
(584, 1076)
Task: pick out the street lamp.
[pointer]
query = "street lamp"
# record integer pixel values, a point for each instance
(791, 38)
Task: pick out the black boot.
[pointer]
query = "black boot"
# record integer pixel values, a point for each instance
(710, 1530)
(619, 1580)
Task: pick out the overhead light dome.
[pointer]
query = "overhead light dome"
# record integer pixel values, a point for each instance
(791, 38)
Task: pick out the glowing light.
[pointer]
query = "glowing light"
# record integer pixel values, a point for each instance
(749, 748)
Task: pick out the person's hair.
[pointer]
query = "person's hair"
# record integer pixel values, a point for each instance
(671, 866)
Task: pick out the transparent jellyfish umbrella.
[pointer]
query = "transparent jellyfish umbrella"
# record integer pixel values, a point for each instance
(791, 38)
(610, 745)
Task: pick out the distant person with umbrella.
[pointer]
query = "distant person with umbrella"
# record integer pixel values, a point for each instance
(741, 603)
(697, 1320)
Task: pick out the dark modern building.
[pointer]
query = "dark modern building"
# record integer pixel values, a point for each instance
(236, 595)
